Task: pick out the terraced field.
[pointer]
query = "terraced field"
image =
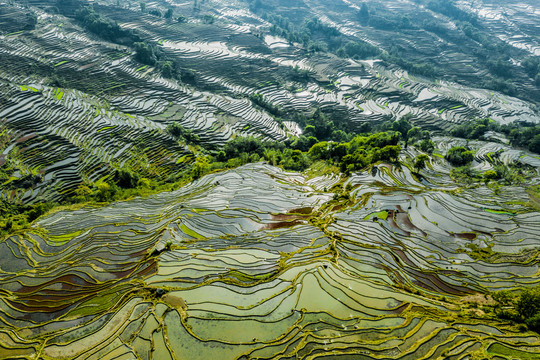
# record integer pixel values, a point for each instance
(120, 97)
(255, 262)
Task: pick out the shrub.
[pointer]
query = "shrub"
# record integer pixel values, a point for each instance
(420, 162)
(459, 156)
(426, 145)
(490, 175)
(528, 304)
(145, 53)
(534, 322)
(104, 192)
(320, 151)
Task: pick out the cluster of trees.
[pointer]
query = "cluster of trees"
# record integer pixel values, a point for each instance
(104, 27)
(156, 12)
(393, 56)
(260, 100)
(522, 308)
(409, 134)
(446, 7)
(145, 52)
(319, 127)
(492, 53)
(358, 50)
(524, 135)
(298, 74)
(317, 36)
(459, 156)
(350, 156)
(125, 182)
(475, 129)
(149, 54)
(178, 132)
(14, 217)
(531, 65)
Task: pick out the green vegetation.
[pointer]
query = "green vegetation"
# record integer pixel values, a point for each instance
(104, 27)
(420, 161)
(146, 52)
(126, 182)
(524, 135)
(459, 156)
(426, 145)
(350, 156)
(317, 36)
(17, 217)
(181, 134)
(522, 307)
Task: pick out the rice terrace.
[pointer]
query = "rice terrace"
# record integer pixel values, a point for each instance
(270, 179)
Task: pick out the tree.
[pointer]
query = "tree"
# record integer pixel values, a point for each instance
(320, 151)
(31, 21)
(459, 156)
(167, 69)
(168, 14)
(490, 175)
(402, 126)
(304, 143)
(414, 133)
(420, 162)
(528, 304)
(127, 178)
(363, 14)
(389, 153)
(310, 130)
(176, 130)
(104, 191)
(143, 6)
(144, 53)
(191, 137)
(200, 167)
(83, 192)
(534, 144)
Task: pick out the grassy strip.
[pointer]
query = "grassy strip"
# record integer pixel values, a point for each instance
(61, 63)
